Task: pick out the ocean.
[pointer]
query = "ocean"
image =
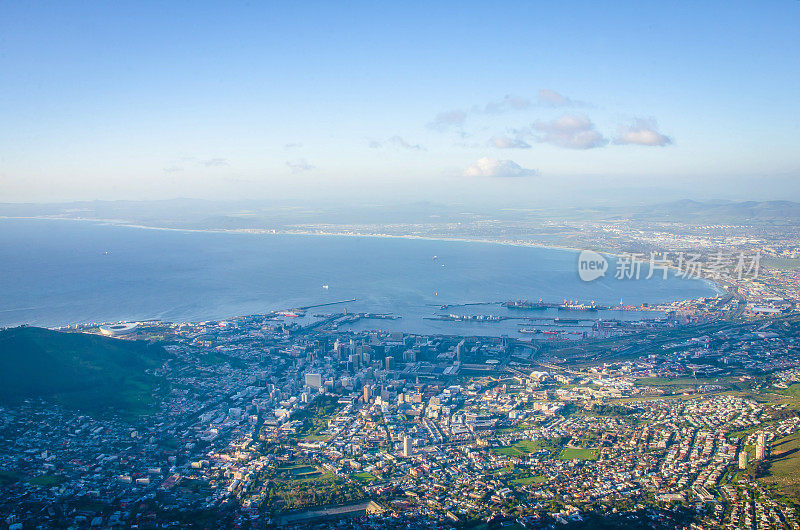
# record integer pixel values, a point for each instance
(57, 272)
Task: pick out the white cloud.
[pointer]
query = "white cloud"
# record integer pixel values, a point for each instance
(457, 117)
(571, 131)
(553, 98)
(641, 132)
(397, 141)
(214, 162)
(505, 142)
(492, 167)
(509, 102)
(300, 165)
(447, 119)
(400, 142)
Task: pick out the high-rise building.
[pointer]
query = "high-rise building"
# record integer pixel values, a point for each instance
(743, 459)
(389, 362)
(408, 448)
(761, 446)
(314, 380)
(367, 393)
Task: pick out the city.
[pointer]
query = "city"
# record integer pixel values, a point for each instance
(690, 418)
(400, 265)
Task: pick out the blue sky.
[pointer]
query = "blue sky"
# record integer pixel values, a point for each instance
(461, 99)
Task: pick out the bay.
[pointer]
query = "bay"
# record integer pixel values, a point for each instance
(57, 272)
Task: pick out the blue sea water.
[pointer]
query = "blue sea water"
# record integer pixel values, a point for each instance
(57, 273)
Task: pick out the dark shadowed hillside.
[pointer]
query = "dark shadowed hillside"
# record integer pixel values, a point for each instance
(77, 370)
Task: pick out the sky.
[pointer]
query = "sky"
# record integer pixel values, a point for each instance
(525, 102)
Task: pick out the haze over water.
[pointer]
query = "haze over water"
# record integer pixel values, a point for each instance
(65, 272)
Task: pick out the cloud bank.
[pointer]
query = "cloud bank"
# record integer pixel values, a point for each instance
(397, 141)
(506, 142)
(299, 166)
(641, 132)
(509, 102)
(552, 98)
(492, 167)
(447, 119)
(570, 131)
(214, 162)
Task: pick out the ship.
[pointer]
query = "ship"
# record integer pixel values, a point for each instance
(292, 313)
(525, 304)
(576, 306)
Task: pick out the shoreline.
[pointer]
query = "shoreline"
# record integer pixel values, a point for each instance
(717, 288)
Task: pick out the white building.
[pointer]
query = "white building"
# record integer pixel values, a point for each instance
(314, 380)
(408, 447)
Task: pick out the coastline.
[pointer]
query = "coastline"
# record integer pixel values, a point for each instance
(717, 288)
(274, 231)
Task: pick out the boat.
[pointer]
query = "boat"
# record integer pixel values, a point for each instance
(576, 306)
(525, 304)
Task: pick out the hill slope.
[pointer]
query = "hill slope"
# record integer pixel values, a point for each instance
(748, 212)
(80, 371)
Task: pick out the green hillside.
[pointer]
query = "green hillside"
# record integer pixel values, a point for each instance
(93, 374)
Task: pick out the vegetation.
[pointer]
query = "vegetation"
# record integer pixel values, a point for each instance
(526, 447)
(315, 417)
(613, 410)
(217, 358)
(784, 463)
(8, 477)
(90, 373)
(519, 448)
(46, 481)
(302, 485)
(534, 479)
(298, 472)
(573, 453)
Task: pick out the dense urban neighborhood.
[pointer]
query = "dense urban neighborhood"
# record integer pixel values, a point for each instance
(688, 417)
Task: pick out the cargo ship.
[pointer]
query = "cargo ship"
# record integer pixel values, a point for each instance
(525, 304)
(577, 306)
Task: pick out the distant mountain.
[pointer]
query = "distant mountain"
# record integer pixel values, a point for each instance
(94, 374)
(231, 215)
(748, 212)
(234, 215)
